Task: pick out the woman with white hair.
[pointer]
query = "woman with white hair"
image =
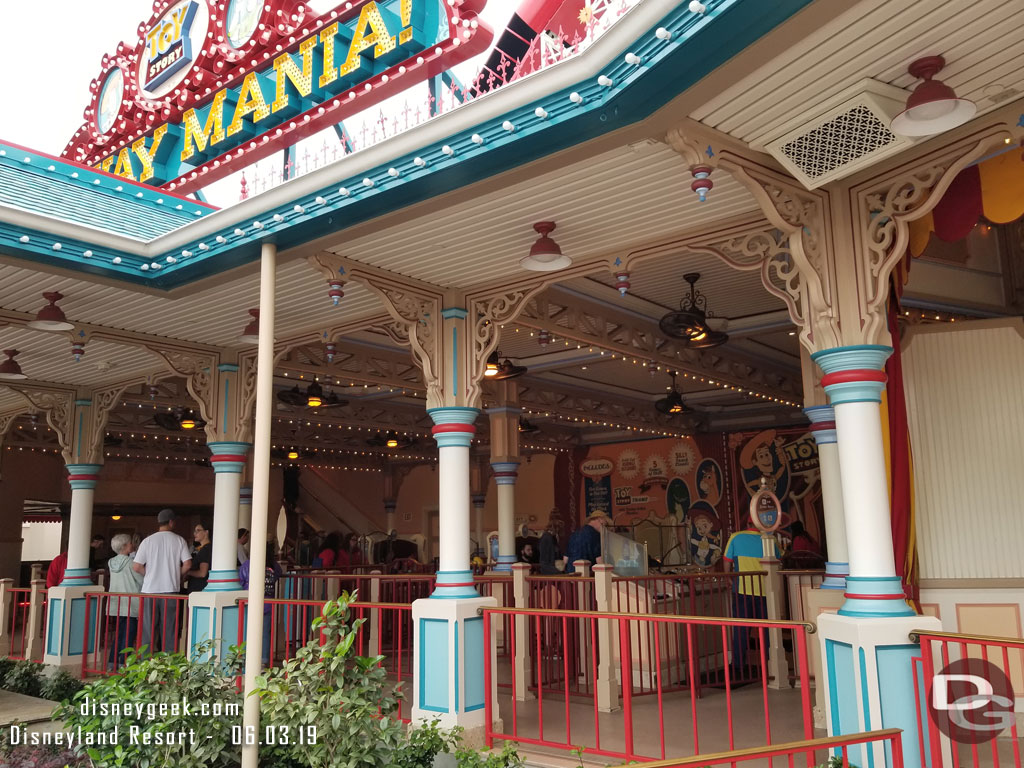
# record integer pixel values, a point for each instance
(124, 610)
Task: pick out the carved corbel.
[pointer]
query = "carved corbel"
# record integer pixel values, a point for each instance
(884, 206)
(487, 314)
(199, 370)
(103, 402)
(415, 311)
(58, 405)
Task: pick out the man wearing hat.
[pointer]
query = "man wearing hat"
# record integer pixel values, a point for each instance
(163, 558)
(585, 542)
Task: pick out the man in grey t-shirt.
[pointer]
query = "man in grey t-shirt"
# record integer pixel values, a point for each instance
(163, 558)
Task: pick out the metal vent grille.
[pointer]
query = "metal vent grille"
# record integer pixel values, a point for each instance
(848, 134)
(842, 140)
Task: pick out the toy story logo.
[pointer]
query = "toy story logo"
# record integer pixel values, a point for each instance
(276, 87)
(168, 47)
(783, 464)
(666, 491)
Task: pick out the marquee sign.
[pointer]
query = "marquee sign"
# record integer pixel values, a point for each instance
(212, 86)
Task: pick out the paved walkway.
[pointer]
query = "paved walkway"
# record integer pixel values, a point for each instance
(26, 710)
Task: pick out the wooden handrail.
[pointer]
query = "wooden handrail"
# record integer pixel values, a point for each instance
(824, 742)
(917, 634)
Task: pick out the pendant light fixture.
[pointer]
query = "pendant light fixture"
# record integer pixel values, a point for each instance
(314, 395)
(499, 370)
(672, 404)
(293, 454)
(188, 420)
(251, 334)
(545, 255)
(690, 321)
(9, 368)
(392, 441)
(51, 317)
(933, 107)
(493, 365)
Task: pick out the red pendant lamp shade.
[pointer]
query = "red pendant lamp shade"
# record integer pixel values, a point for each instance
(51, 317)
(545, 255)
(933, 107)
(9, 368)
(251, 334)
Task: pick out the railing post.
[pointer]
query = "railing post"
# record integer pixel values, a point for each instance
(35, 616)
(101, 579)
(772, 586)
(607, 696)
(37, 572)
(333, 588)
(375, 618)
(521, 660)
(583, 569)
(5, 616)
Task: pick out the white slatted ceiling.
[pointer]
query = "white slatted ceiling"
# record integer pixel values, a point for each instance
(982, 41)
(966, 416)
(215, 315)
(47, 357)
(613, 201)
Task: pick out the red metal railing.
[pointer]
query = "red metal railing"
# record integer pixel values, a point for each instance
(838, 746)
(939, 650)
(18, 623)
(386, 631)
(119, 620)
(326, 585)
(557, 689)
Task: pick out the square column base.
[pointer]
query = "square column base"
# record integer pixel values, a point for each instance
(869, 681)
(67, 626)
(817, 602)
(448, 657)
(214, 616)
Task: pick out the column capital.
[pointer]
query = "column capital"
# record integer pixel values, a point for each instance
(229, 456)
(453, 427)
(83, 476)
(853, 374)
(505, 472)
(823, 423)
(245, 494)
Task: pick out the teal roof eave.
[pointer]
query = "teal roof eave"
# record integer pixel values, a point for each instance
(313, 206)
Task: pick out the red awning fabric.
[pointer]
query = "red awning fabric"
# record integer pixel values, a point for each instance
(993, 190)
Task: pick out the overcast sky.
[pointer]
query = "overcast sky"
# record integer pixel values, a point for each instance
(46, 92)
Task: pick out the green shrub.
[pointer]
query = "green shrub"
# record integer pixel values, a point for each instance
(346, 697)
(425, 742)
(23, 677)
(161, 679)
(508, 757)
(60, 686)
(6, 665)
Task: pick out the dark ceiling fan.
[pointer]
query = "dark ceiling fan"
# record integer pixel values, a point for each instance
(527, 428)
(690, 321)
(672, 404)
(391, 440)
(179, 420)
(499, 370)
(313, 397)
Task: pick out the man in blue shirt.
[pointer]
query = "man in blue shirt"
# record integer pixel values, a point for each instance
(585, 542)
(745, 550)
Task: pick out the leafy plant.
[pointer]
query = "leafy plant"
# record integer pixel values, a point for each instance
(508, 757)
(6, 665)
(29, 756)
(23, 677)
(347, 698)
(157, 687)
(423, 743)
(60, 686)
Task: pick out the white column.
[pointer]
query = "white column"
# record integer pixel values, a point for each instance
(453, 431)
(228, 465)
(823, 428)
(505, 474)
(245, 507)
(260, 497)
(82, 478)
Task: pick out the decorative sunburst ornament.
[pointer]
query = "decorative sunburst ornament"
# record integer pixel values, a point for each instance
(586, 13)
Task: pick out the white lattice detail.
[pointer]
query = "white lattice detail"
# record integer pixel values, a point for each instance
(841, 141)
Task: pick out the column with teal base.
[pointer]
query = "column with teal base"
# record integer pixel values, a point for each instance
(866, 649)
(448, 635)
(213, 612)
(823, 428)
(70, 615)
(505, 474)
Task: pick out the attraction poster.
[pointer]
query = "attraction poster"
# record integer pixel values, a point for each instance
(667, 493)
(785, 462)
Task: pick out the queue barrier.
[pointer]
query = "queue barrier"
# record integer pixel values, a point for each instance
(980, 652)
(116, 621)
(624, 659)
